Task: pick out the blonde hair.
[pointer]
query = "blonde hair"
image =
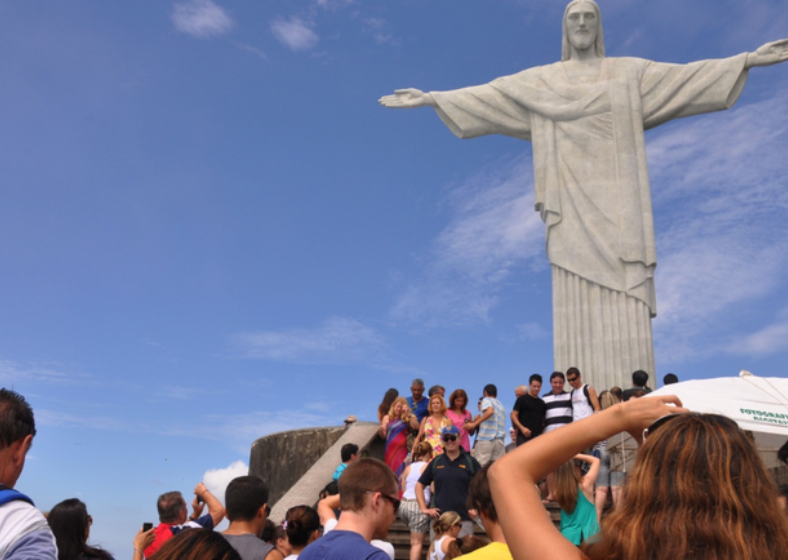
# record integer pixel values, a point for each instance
(442, 525)
(405, 414)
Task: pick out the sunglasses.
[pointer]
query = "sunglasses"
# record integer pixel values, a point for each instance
(394, 501)
(449, 438)
(661, 421)
(571, 379)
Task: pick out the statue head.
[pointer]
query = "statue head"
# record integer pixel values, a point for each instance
(589, 37)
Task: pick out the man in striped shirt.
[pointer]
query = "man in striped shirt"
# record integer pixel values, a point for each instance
(492, 427)
(558, 403)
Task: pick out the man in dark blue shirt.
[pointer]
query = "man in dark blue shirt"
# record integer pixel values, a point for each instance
(418, 403)
(452, 472)
(368, 496)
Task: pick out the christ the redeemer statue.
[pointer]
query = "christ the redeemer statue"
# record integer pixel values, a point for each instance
(586, 116)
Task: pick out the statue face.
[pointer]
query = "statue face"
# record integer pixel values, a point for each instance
(582, 24)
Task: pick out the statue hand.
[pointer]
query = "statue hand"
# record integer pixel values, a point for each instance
(409, 98)
(768, 54)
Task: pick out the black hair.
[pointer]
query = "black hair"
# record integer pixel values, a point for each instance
(556, 374)
(639, 378)
(782, 454)
(16, 418)
(491, 390)
(330, 489)
(302, 522)
(348, 450)
(535, 377)
(269, 532)
(435, 390)
(69, 521)
(572, 371)
(244, 497)
(670, 378)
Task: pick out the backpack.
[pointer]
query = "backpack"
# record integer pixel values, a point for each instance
(585, 392)
(9, 495)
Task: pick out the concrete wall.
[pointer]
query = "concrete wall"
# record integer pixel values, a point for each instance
(282, 459)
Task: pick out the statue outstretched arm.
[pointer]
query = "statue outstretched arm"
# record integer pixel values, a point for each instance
(768, 54)
(408, 98)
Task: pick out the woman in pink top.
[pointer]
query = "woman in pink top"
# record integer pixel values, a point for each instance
(459, 416)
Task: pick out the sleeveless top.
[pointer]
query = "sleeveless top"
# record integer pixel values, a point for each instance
(581, 524)
(433, 436)
(581, 407)
(437, 552)
(410, 482)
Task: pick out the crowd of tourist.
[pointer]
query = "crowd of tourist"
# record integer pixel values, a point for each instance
(698, 488)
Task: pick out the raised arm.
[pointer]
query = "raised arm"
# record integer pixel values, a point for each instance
(326, 507)
(215, 508)
(768, 54)
(529, 533)
(587, 484)
(409, 98)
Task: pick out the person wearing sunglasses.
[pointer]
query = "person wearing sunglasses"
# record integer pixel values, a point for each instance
(368, 498)
(698, 490)
(452, 472)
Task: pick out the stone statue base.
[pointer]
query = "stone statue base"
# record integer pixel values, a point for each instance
(604, 333)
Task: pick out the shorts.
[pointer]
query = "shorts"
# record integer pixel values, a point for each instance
(607, 477)
(410, 513)
(488, 451)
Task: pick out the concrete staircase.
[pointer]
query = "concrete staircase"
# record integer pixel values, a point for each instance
(306, 487)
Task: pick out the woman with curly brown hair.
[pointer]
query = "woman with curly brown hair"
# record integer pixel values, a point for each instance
(698, 490)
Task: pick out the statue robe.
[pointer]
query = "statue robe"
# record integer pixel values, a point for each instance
(592, 189)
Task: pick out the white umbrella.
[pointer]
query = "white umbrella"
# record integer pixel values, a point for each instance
(757, 404)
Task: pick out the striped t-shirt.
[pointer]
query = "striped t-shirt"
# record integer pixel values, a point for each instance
(558, 410)
(495, 426)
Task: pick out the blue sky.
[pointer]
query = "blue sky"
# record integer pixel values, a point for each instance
(210, 230)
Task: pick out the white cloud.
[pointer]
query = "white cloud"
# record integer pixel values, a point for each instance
(254, 50)
(493, 231)
(769, 340)
(180, 392)
(46, 417)
(533, 331)
(334, 4)
(337, 340)
(378, 28)
(42, 372)
(201, 18)
(722, 238)
(216, 480)
(294, 33)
